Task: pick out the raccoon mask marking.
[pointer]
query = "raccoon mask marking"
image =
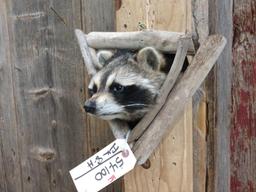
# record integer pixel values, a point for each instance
(127, 85)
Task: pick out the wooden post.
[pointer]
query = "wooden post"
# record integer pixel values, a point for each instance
(200, 12)
(243, 121)
(219, 99)
(171, 165)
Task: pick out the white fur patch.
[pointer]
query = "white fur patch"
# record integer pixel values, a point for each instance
(107, 108)
(110, 79)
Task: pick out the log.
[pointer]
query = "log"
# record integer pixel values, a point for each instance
(162, 40)
(165, 90)
(201, 65)
(86, 53)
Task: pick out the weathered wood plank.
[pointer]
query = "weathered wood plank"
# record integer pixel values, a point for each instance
(85, 50)
(98, 15)
(219, 99)
(173, 15)
(164, 170)
(164, 41)
(243, 121)
(197, 71)
(161, 15)
(200, 16)
(47, 91)
(10, 168)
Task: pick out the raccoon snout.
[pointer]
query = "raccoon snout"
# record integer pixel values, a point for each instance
(90, 106)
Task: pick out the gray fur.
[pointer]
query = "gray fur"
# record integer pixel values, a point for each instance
(141, 70)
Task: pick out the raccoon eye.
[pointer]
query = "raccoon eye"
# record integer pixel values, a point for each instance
(92, 91)
(117, 88)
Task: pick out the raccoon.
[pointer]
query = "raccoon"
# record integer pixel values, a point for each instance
(125, 87)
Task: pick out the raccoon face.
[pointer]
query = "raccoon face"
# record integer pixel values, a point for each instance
(127, 85)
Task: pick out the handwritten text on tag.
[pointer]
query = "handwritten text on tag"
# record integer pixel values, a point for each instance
(104, 167)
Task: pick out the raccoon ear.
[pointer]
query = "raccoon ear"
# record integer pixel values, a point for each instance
(150, 57)
(103, 56)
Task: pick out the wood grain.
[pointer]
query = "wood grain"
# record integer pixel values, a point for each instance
(98, 15)
(167, 162)
(197, 71)
(10, 162)
(219, 100)
(164, 41)
(86, 53)
(243, 121)
(200, 16)
(46, 92)
(172, 16)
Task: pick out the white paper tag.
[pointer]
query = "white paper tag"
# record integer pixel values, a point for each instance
(104, 167)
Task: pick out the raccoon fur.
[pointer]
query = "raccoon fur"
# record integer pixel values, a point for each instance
(125, 87)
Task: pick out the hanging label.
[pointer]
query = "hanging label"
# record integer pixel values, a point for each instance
(103, 168)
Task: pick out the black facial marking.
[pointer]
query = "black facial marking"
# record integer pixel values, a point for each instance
(92, 91)
(116, 88)
(132, 97)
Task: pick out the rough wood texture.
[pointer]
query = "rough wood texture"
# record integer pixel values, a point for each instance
(162, 40)
(201, 65)
(174, 15)
(219, 99)
(164, 92)
(10, 167)
(199, 144)
(98, 15)
(85, 50)
(243, 122)
(165, 168)
(42, 124)
(200, 16)
(44, 78)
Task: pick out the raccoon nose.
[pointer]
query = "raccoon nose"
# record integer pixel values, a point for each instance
(90, 106)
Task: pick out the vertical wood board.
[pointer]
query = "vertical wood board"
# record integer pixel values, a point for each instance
(219, 100)
(243, 121)
(171, 164)
(98, 15)
(200, 24)
(10, 168)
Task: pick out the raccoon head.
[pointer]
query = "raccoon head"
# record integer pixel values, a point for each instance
(127, 85)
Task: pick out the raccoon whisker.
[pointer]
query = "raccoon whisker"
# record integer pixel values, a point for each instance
(136, 105)
(105, 114)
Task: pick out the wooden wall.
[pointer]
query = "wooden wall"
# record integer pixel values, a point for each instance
(243, 121)
(219, 100)
(44, 131)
